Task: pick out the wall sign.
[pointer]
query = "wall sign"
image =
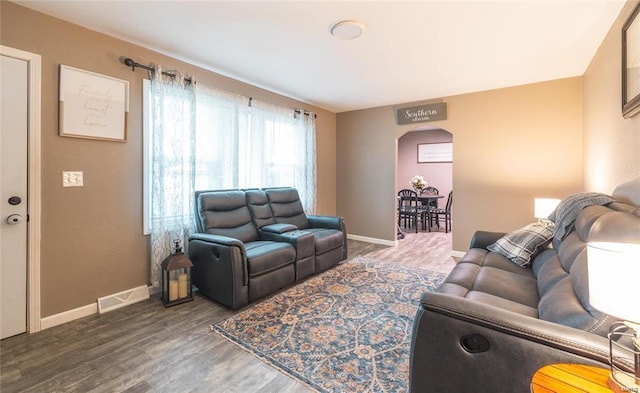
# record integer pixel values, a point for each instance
(422, 113)
(92, 106)
(435, 152)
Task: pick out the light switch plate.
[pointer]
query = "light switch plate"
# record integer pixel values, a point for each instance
(72, 179)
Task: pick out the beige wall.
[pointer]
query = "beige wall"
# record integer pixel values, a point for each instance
(92, 242)
(611, 143)
(509, 146)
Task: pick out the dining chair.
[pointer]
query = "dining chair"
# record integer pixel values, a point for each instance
(425, 215)
(444, 214)
(432, 191)
(408, 208)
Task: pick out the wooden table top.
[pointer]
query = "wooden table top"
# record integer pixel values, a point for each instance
(570, 378)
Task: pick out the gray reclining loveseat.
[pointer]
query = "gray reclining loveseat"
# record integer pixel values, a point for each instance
(493, 324)
(243, 251)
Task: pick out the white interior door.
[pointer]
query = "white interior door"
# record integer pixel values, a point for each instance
(13, 195)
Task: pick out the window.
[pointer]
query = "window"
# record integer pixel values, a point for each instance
(241, 143)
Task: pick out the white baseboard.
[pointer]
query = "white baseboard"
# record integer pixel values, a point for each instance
(457, 254)
(77, 313)
(68, 316)
(373, 240)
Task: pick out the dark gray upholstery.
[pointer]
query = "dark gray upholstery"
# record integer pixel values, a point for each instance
(226, 213)
(286, 207)
(529, 316)
(270, 229)
(242, 252)
(260, 209)
(230, 248)
(329, 231)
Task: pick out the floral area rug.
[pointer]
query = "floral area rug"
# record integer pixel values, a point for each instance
(345, 330)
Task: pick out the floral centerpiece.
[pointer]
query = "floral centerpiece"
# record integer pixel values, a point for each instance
(418, 184)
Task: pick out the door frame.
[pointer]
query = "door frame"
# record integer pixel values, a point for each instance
(34, 75)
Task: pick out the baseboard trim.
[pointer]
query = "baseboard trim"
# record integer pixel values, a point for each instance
(391, 243)
(457, 254)
(77, 313)
(68, 316)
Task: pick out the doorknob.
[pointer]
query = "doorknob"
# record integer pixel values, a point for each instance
(15, 200)
(14, 219)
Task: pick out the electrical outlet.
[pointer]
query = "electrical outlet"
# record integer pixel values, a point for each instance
(72, 179)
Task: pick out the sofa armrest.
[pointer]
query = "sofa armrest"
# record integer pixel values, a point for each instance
(329, 222)
(483, 239)
(278, 228)
(217, 239)
(220, 268)
(516, 344)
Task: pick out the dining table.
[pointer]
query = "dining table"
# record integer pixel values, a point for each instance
(424, 200)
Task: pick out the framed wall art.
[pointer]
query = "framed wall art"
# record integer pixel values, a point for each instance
(435, 152)
(92, 105)
(631, 65)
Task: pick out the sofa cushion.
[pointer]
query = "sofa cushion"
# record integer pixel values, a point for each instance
(521, 245)
(266, 256)
(502, 303)
(286, 207)
(326, 239)
(490, 278)
(226, 213)
(561, 305)
(259, 207)
(516, 288)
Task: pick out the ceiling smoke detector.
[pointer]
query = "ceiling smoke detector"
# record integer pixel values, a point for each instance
(347, 29)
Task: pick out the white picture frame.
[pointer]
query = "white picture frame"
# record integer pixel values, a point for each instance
(92, 105)
(435, 152)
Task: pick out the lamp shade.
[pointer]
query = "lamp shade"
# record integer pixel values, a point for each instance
(544, 206)
(614, 272)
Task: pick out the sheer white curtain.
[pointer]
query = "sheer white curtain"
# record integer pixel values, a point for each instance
(306, 177)
(217, 125)
(256, 145)
(172, 107)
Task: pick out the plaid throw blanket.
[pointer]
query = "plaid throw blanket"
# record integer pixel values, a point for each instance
(565, 214)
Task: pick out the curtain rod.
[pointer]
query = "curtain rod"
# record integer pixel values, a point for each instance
(303, 112)
(297, 111)
(127, 61)
(130, 63)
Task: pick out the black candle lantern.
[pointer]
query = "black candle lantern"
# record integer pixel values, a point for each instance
(176, 278)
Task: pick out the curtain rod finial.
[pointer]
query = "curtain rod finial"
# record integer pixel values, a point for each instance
(129, 63)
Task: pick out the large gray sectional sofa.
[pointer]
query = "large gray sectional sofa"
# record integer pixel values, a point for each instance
(253, 242)
(493, 323)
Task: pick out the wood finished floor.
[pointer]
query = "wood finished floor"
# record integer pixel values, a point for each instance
(148, 348)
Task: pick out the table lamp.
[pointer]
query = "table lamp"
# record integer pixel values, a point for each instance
(543, 207)
(614, 288)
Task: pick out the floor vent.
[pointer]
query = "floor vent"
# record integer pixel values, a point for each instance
(124, 298)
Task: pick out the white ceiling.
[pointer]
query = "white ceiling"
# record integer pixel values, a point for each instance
(410, 51)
